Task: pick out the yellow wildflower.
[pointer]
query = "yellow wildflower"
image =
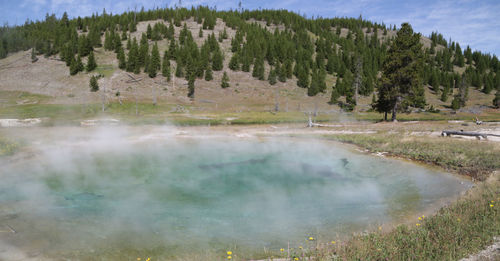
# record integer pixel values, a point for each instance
(300, 247)
(282, 249)
(418, 224)
(296, 258)
(423, 216)
(311, 238)
(138, 258)
(333, 242)
(458, 219)
(491, 205)
(419, 218)
(379, 228)
(149, 259)
(229, 257)
(229, 253)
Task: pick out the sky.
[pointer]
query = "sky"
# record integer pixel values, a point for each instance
(468, 22)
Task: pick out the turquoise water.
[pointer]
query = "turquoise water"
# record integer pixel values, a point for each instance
(208, 193)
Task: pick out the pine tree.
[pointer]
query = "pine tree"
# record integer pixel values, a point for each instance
(108, 41)
(445, 93)
(400, 84)
(272, 77)
(303, 77)
(245, 64)
(225, 81)
(208, 74)
(191, 85)
(94, 86)
(33, 55)
(179, 72)
(129, 44)
(143, 51)
(335, 93)
(3, 51)
(217, 60)
(73, 67)
(149, 32)
(461, 97)
(496, 100)
(91, 64)
(122, 62)
(132, 63)
(165, 69)
(258, 68)
(233, 63)
(154, 64)
(79, 64)
(200, 33)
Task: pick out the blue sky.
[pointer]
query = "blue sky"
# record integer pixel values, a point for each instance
(469, 22)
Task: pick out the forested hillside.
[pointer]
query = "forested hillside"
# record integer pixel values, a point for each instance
(270, 45)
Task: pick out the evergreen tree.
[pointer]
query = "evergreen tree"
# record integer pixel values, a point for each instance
(461, 97)
(108, 41)
(3, 51)
(225, 81)
(165, 69)
(258, 68)
(445, 93)
(245, 63)
(200, 33)
(400, 84)
(33, 55)
(122, 62)
(94, 86)
(149, 32)
(179, 72)
(303, 77)
(73, 67)
(233, 63)
(154, 64)
(272, 77)
(335, 93)
(496, 100)
(79, 64)
(143, 51)
(217, 60)
(91, 64)
(132, 63)
(208, 74)
(129, 44)
(191, 85)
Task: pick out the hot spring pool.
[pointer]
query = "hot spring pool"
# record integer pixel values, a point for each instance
(180, 195)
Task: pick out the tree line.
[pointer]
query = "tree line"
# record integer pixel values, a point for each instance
(300, 50)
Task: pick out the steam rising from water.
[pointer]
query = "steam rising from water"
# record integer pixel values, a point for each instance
(118, 189)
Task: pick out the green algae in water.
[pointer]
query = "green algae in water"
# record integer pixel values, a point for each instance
(188, 195)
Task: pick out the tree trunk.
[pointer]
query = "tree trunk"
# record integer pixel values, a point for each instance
(103, 97)
(394, 113)
(153, 90)
(385, 116)
(395, 109)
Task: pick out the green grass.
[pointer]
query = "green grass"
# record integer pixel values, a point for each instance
(8, 147)
(473, 158)
(457, 231)
(105, 69)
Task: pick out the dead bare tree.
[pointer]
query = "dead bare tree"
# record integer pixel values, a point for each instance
(276, 100)
(103, 97)
(134, 80)
(359, 78)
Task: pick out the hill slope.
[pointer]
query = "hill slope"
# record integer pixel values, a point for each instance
(275, 38)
